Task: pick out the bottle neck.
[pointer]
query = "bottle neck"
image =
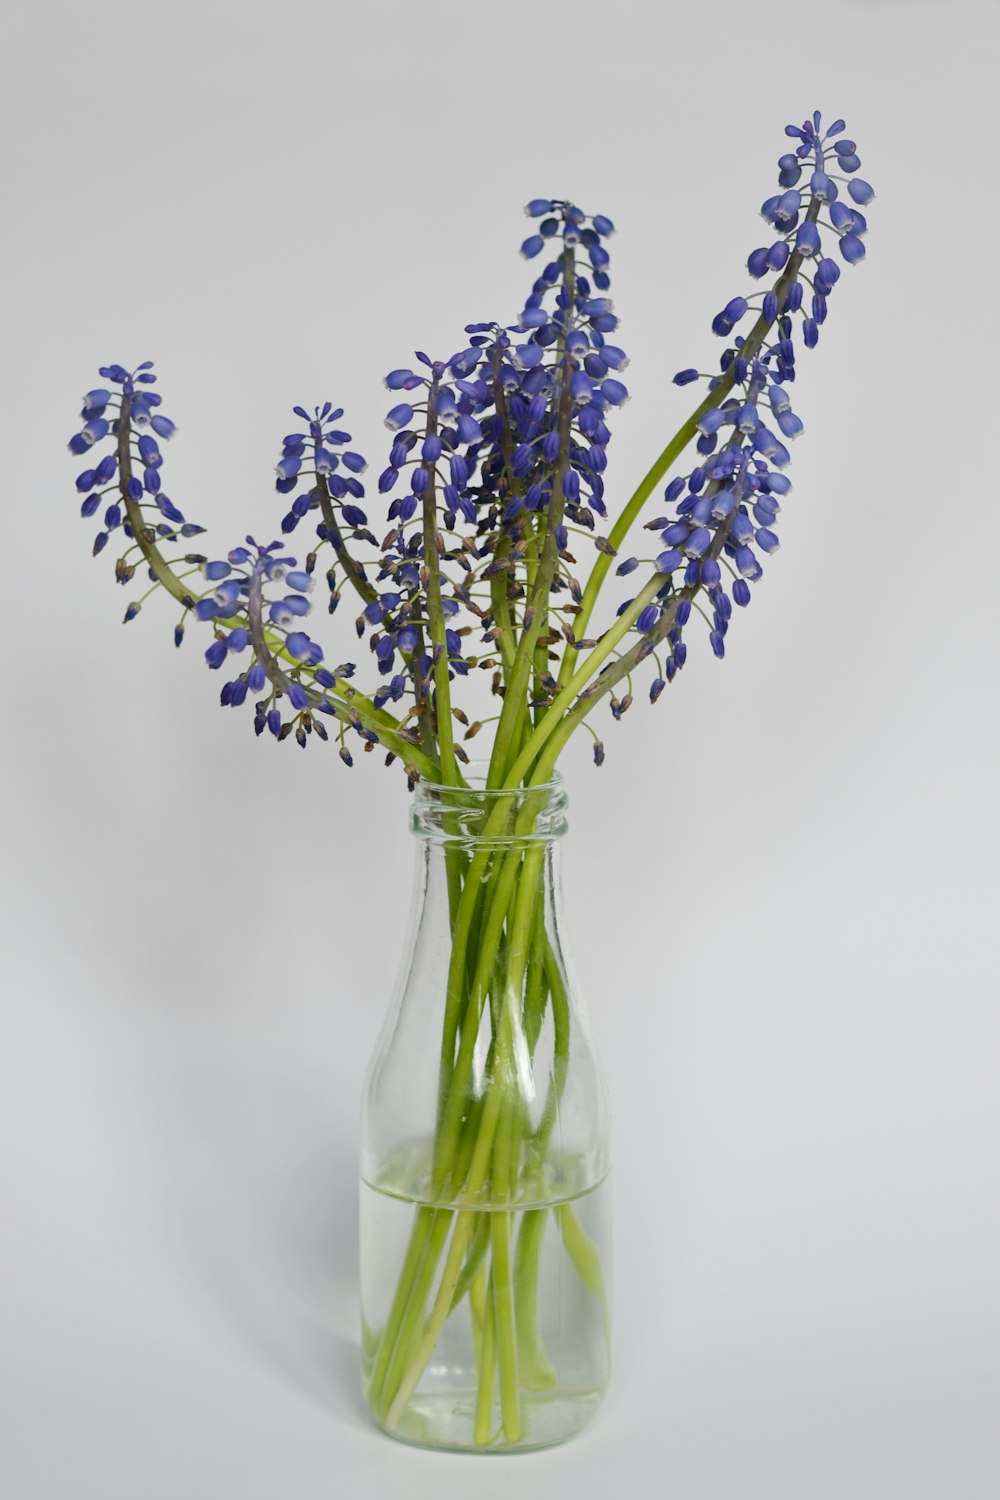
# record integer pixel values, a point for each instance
(476, 818)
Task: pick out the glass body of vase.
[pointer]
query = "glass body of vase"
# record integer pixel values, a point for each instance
(485, 1201)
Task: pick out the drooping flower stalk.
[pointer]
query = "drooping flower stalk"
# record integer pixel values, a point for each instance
(496, 474)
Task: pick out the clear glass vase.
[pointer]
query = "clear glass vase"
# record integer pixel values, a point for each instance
(485, 1201)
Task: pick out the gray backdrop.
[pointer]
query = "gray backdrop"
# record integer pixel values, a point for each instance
(781, 886)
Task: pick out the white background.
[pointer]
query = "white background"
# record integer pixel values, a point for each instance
(782, 885)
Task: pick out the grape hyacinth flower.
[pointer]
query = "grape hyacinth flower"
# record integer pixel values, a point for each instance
(476, 584)
(497, 461)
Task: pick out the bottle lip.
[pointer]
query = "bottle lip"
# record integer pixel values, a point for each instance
(475, 775)
(474, 813)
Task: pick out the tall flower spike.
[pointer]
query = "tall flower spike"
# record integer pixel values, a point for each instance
(725, 508)
(125, 484)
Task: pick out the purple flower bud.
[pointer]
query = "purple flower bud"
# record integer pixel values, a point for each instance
(848, 220)
(757, 263)
(852, 249)
(790, 424)
(793, 301)
(685, 377)
(669, 561)
(614, 358)
(698, 542)
(287, 468)
(823, 187)
(790, 170)
(711, 420)
(399, 416)
(96, 429)
(807, 238)
(787, 208)
(862, 192)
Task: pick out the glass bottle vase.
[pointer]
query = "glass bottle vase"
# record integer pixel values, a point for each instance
(485, 1208)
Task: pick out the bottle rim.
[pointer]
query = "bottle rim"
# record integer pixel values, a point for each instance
(475, 775)
(474, 813)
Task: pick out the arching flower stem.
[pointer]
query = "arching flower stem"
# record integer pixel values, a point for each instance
(335, 536)
(141, 534)
(348, 710)
(676, 446)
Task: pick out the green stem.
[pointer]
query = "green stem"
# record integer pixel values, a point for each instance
(415, 1252)
(585, 1257)
(483, 1431)
(503, 1294)
(536, 1371)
